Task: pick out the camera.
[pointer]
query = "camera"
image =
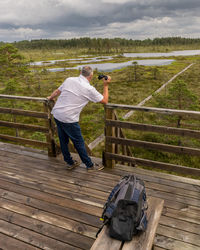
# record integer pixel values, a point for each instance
(102, 76)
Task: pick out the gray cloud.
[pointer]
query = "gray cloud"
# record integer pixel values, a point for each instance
(26, 19)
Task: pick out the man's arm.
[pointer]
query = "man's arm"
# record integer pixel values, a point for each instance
(105, 90)
(54, 94)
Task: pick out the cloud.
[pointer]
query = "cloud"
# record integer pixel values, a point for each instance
(26, 19)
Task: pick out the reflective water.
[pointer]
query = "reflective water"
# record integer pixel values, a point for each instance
(173, 53)
(74, 60)
(92, 61)
(108, 67)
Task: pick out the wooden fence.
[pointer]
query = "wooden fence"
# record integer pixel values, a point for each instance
(48, 129)
(114, 140)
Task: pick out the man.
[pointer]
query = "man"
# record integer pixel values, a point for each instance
(74, 94)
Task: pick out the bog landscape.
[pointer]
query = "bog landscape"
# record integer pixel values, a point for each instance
(138, 70)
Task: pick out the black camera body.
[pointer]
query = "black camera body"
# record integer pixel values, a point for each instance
(102, 76)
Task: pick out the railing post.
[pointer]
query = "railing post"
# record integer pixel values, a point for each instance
(109, 131)
(50, 135)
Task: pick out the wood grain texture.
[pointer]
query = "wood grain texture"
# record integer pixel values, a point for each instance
(40, 197)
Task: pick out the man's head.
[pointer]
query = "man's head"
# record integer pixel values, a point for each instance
(87, 72)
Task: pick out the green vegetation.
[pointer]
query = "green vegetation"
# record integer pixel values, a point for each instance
(129, 85)
(115, 45)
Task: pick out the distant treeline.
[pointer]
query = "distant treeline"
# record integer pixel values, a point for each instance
(103, 43)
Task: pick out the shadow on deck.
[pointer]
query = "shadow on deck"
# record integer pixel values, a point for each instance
(44, 206)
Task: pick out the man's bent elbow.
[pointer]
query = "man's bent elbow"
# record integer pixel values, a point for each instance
(104, 101)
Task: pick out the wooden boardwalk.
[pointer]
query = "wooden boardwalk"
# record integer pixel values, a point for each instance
(44, 206)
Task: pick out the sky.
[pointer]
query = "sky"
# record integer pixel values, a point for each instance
(130, 19)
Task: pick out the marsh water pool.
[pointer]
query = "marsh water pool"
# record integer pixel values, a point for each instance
(108, 67)
(94, 62)
(167, 54)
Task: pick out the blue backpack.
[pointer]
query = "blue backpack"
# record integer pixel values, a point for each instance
(125, 209)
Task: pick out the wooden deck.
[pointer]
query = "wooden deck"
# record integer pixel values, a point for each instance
(44, 206)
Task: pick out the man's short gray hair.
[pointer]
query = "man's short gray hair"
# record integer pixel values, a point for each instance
(86, 71)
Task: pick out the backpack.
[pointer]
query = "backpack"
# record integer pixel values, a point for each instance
(125, 209)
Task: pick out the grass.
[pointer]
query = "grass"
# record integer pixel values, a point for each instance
(122, 90)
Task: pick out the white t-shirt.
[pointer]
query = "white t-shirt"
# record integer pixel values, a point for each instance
(76, 92)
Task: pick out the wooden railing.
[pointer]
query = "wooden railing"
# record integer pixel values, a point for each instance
(114, 140)
(48, 129)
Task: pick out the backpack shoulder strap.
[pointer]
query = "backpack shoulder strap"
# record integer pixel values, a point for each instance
(116, 189)
(110, 201)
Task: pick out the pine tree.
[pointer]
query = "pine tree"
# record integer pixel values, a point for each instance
(178, 97)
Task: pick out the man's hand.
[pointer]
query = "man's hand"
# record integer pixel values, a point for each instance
(107, 81)
(54, 94)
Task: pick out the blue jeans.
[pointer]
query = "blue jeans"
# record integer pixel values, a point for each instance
(72, 131)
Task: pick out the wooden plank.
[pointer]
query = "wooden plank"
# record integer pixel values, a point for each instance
(120, 133)
(155, 164)
(154, 128)
(11, 151)
(96, 142)
(163, 184)
(174, 201)
(103, 185)
(27, 180)
(177, 181)
(179, 211)
(40, 165)
(23, 140)
(32, 238)
(49, 218)
(104, 241)
(25, 98)
(69, 202)
(51, 131)
(66, 182)
(7, 243)
(47, 172)
(170, 243)
(78, 176)
(185, 182)
(24, 126)
(109, 131)
(180, 223)
(57, 209)
(22, 150)
(190, 113)
(32, 179)
(63, 235)
(157, 248)
(183, 214)
(155, 146)
(178, 234)
(145, 240)
(36, 114)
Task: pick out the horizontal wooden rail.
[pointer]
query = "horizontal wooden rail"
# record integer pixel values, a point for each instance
(36, 114)
(154, 128)
(190, 113)
(114, 141)
(155, 146)
(154, 164)
(24, 126)
(48, 130)
(24, 141)
(24, 98)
